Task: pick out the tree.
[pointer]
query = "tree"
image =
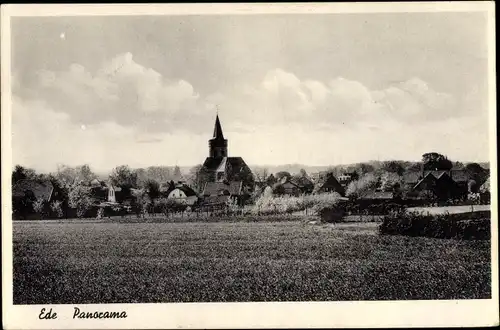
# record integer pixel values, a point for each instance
(390, 181)
(56, 208)
(280, 175)
(153, 189)
(434, 161)
(85, 173)
(393, 167)
(365, 183)
(38, 206)
(80, 198)
(197, 177)
(271, 180)
(122, 176)
(177, 173)
(21, 173)
(261, 175)
(246, 176)
(140, 201)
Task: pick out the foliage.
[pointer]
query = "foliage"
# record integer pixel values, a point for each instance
(280, 175)
(80, 198)
(171, 205)
(271, 180)
(38, 205)
(434, 161)
(268, 204)
(123, 176)
(365, 183)
(56, 208)
(153, 189)
(390, 181)
(393, 167)
(21, 173)
(472, 225)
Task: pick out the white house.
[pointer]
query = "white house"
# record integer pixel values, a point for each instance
(185, 193)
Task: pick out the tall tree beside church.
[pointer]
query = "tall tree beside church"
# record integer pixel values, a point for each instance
(197, 177)
(177, 173)
(434, 161)
(122, 176)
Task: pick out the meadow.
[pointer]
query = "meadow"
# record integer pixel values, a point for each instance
(70, 262)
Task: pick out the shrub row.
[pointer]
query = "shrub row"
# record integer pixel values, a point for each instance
(471, 225)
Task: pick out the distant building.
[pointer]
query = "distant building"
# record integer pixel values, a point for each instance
(327, 183)
(287, 187)
(184, 193)
(28, 188)
(346, 178)
(222, 193)
(305, 184)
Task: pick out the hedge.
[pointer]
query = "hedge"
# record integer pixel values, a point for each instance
(470, 225)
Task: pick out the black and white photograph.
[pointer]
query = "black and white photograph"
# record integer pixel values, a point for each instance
(167, 156)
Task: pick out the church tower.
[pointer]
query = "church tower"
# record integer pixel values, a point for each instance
(218, 145)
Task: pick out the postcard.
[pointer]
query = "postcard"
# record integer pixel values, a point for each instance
(249, 165)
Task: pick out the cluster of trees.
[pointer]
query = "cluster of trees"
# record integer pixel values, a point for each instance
(76, 195)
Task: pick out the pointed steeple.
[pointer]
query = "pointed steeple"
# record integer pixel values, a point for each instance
(218, 129)
(218, 145)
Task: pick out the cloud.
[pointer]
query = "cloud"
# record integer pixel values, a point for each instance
(132, 95)
(134, 115)
(282, 97)
(43, 138)
(121, 91)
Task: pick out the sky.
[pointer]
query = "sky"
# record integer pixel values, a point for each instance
(313, 89)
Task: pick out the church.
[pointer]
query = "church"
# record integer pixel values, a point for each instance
(225, 176)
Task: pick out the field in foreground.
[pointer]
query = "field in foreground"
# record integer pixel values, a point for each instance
(60, 263)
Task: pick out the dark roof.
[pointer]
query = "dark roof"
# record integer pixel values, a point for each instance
(41, 189)
(329, 181)
(301, 181)
(236, 163)
(216, 188)
(485, 186)
(428, 177)
(218, 130)
(436, 174)
(377, 195)
(186, 189)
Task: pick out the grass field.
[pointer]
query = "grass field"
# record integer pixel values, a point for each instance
(58, 263)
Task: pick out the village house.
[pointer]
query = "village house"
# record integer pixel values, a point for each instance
(327, 183)
(184, 193)
(39, 190)
(286, 187)
(25, 192)
(346, 178)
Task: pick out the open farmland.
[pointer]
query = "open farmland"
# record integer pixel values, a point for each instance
(78, 262)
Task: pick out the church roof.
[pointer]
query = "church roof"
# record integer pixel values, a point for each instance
(212, 163)
(218, 188)
(218, 130)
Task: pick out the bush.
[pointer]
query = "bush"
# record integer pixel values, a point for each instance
(471, 225)
(269, 205)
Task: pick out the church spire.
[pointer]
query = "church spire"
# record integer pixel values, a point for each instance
(218, 129)
(218, 145)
